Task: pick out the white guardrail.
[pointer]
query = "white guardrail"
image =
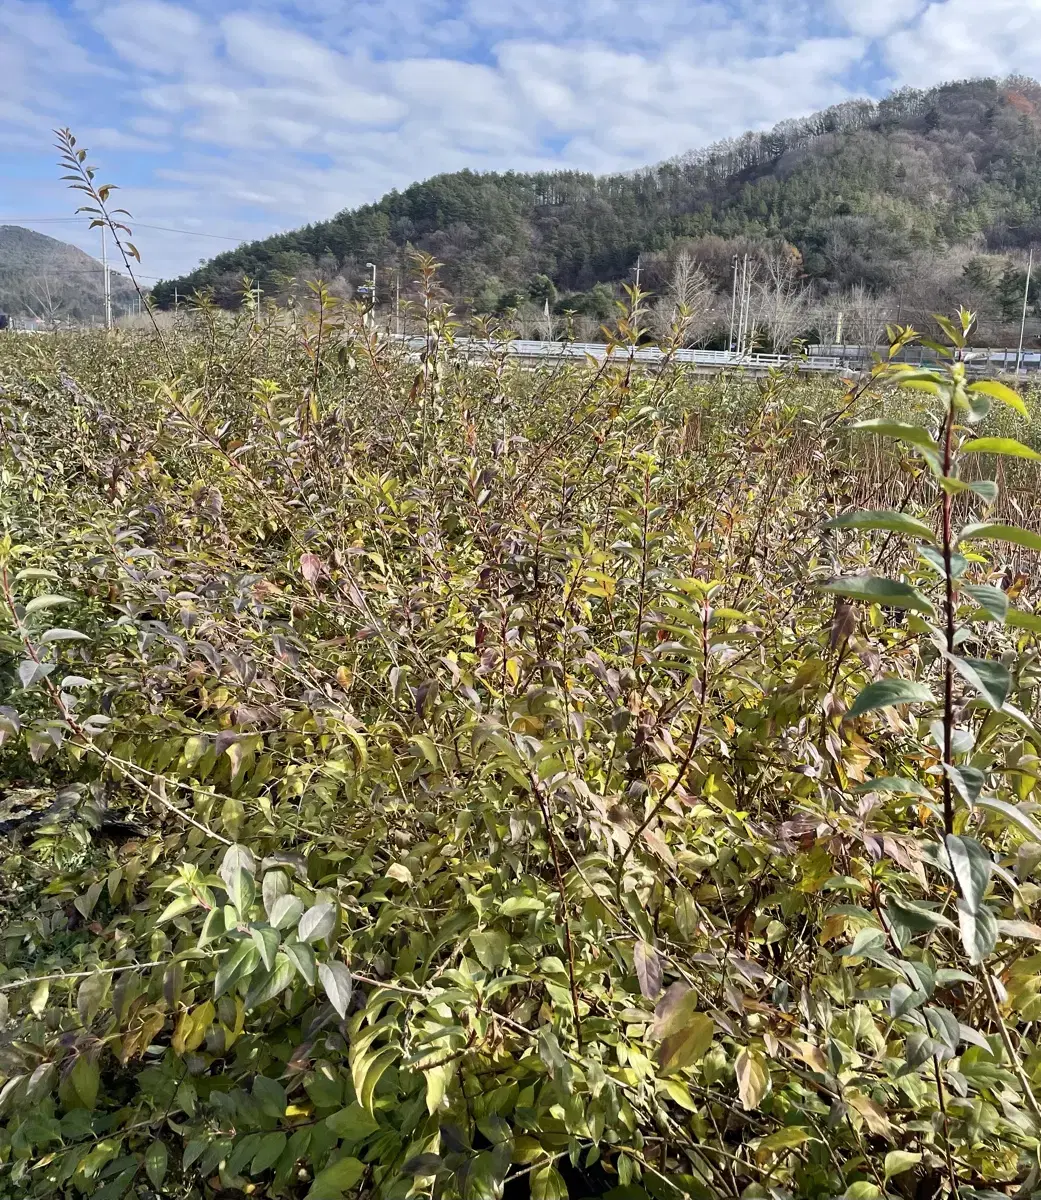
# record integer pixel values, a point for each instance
(648, 354)
(817, 358)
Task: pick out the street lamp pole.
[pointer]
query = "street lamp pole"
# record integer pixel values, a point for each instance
(372, 267)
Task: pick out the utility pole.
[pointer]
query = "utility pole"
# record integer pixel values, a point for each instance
(397, 302)
(637, 269)
(1023, 321)
(733, 309)
(175, 299)
(748, 312)
(370, 288)
(108, 278)
(742, 323)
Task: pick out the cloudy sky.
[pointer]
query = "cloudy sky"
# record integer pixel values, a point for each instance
(235, 118)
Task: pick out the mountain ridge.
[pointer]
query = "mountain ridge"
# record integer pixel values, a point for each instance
(53, 281)
(860, 191)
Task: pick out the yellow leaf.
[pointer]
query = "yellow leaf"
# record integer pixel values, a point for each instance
(874, 1118)
(833, 927)
(180, 1034)
(753, 1079)
(812, 1056)
(899, 1161)
(678, 1092)
(789, 1138)
(202, 1019)
(437, 1081)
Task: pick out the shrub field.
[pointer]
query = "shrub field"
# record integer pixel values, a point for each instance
(444, 778)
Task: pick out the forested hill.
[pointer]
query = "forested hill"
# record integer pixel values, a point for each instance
(859, 190)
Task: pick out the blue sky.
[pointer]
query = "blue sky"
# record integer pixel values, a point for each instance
(235, 119)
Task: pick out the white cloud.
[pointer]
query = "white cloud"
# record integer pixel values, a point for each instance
(877, 18)
(156, 37)
(957, 39)
(245, 116)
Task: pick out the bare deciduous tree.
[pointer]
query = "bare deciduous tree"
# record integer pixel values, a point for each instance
(780, 303)
(47, 297)
(683, 313)
(860, 314)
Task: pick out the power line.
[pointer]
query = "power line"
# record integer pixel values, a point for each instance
(221, 237)
(63, 271)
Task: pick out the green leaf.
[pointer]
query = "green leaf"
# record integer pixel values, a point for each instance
(998, 391)
(177, 908)
(891, 785)
(237, 964)
(213, 927)
(972, 868)
(266, 941)
(1013, 814)
(547, 1183)
(35, 573)
(986, 489)
(915, 917)
(1001, 533)
(90, 996)
(1024, 620)
(286, 911)
(273, 984)
(886, 692)
(317, 923)
(30, 672)
(896, 522)
(968, 781)
(873, 589)
(237, 870)
(353, 1123)
(862, 1189)
(899, 1161)
(933, 556)
(916, 435)
(979, 932)
(303, 959)
(156, 1158)
(270, 1095)
(41, 602)
(989, 678)
(63, 635)
(336, 1180)
(268, 1153)
(338, 984)
(79, 1088)
(998, 445)
(490, 946)
(687, 1044)
(992, 600)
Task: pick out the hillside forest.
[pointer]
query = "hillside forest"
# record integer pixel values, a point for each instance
(881, 212)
